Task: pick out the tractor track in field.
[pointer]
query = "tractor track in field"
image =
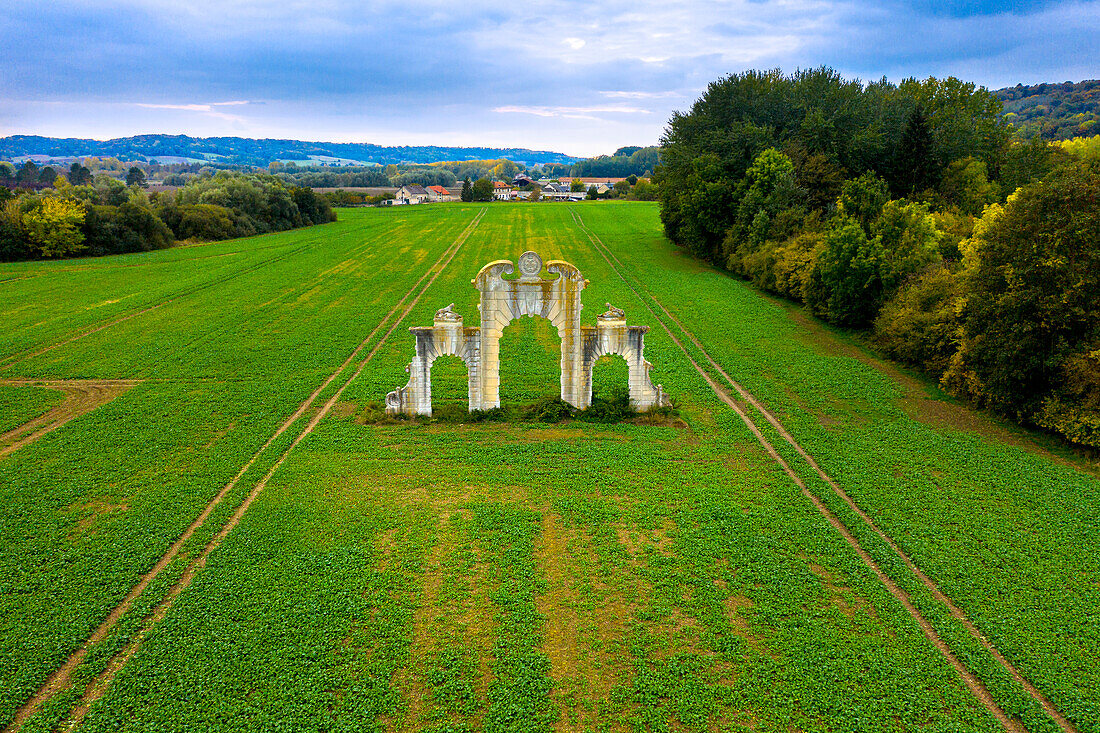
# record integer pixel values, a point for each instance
(972, 682)
(81, 397)
(18, 358)
(59, 680)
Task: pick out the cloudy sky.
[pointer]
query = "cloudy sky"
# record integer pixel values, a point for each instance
(576, 76)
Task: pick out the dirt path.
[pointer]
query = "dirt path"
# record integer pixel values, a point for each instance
(81, 397)
(975, 685)
(61, 679)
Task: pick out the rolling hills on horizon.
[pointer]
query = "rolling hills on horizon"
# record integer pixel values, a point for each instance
(252, 151)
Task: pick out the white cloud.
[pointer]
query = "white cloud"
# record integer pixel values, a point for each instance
(576, 113)
(206, 109)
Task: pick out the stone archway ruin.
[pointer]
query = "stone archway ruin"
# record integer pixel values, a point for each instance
(553, 293)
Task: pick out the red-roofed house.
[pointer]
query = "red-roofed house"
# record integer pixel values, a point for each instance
(438, 193)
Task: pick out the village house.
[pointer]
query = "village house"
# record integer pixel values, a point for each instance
(561, 192)
(438, 193)
(503, 191)
(411, 194)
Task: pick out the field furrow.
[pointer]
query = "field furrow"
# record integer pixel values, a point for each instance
(243, 541)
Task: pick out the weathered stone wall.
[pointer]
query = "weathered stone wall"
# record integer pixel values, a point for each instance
(553, 293)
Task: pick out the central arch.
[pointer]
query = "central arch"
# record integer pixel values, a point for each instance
(553, 293)
(530, 361)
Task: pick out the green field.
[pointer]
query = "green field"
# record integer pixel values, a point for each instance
(238, 543)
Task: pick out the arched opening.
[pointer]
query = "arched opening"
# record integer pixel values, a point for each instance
(450, 383)
(610, 377)
(530, 361)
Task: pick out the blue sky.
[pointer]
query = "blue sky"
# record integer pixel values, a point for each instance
(580, 77)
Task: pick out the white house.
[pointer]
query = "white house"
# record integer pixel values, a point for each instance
(411, 194)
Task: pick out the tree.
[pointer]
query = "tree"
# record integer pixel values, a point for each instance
(135, 177)
(820, 178)
(53, 227)
(47, 175)
(79, 175)
(914, 165)
(862, 199)
(592, 194)
(632, 179)
(467, 190)
(576, 186)
(1033, 274)
(845, 286)
(621, 188)
(505, 170)
(966, 185)
(643, 191)
(28, 173)
(482, 190)
(536, 193)
(920, 324)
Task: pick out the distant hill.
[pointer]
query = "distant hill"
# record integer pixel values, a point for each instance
(1054, 111)
(249, 151)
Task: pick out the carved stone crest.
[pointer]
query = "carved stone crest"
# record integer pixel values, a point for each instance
(530, 264)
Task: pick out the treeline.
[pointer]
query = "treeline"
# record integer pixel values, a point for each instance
(1053, 111)
(254, 152)
(104, 216)
(628, 161)
(904, 210)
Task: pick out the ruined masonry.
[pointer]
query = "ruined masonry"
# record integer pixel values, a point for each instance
(553, 294)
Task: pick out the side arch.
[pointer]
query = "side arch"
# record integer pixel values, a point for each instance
(613, 336)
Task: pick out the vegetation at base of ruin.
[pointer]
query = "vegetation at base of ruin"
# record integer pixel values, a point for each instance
(905, 211)
(514, 576)
(108, 217)
(607, 409)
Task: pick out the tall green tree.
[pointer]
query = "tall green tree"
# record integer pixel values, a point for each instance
(47, 175)
(914, 166)
(467, 190)
(135, 177)
(79, 175)
(28, 172)
(482, 190)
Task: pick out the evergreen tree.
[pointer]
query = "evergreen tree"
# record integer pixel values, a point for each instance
(467, 190)
(914, 165)
(135, 177)
(79, 175)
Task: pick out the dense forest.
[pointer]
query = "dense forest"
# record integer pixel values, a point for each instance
(1053, 111)
(100, 215)
(249, 151)
(907, 211)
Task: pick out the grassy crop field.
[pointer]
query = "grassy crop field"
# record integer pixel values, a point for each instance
(207, 527)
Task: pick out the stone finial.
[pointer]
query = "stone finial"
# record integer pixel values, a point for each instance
(612, 314)
(447, 314)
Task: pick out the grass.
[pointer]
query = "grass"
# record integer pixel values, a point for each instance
(21, 403)
(511, 576)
